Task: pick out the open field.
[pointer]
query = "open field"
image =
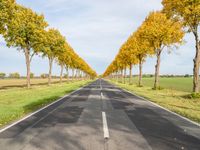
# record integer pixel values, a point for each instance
(17, 102)
(13, 83)
(174, 83)
(174, 100)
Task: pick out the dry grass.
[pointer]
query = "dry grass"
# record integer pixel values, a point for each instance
(14, 83)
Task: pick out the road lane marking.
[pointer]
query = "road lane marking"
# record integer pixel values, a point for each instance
(101, 95)
(104, 105)
(105, 125)
(100, 85)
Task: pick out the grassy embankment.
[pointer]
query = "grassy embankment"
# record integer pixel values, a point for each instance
(18, 102)
(174, 96)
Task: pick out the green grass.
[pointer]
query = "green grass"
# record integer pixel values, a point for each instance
(17, 102)
(174, 100)
(175, 83)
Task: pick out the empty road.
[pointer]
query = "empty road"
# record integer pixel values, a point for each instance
(101, 116)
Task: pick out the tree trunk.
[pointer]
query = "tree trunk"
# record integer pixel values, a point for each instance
(121, 76)
(79, 74)
(72, 73)
(117, 73)
(130, 74)
(76, 74)
(157, 69)
(124, 75)
(67, 71)
(61, 72)
(196, 65)
(83, 75)
(28, 70)
(50, 70)
(140, 72)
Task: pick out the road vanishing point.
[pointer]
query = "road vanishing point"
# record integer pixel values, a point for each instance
(101, 116)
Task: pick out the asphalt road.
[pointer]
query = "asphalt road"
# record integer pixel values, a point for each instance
(76, 123)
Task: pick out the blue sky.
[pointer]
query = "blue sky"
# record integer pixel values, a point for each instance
(96, 29)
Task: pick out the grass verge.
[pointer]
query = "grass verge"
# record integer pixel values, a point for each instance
(174, 100)
(16, 103)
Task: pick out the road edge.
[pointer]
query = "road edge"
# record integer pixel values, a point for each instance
(37, 111)
(174, 113)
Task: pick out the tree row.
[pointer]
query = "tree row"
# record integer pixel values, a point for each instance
(161, 30)
(28, 31)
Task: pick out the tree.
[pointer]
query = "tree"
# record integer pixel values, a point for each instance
(161, 32)
(53, 46)
(14, 75)
(32, 75)
(63, 59)
(121, 57)
(6, 10)
(142, 49)
(24, 31)
(44, 75)
(187, 11)
(127, 51)
(68, 61)
(2, 75)
(73, 61)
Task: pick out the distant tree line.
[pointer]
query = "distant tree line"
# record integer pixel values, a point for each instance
(16, 75)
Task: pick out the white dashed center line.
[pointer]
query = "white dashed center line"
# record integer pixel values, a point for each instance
(105, 126)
